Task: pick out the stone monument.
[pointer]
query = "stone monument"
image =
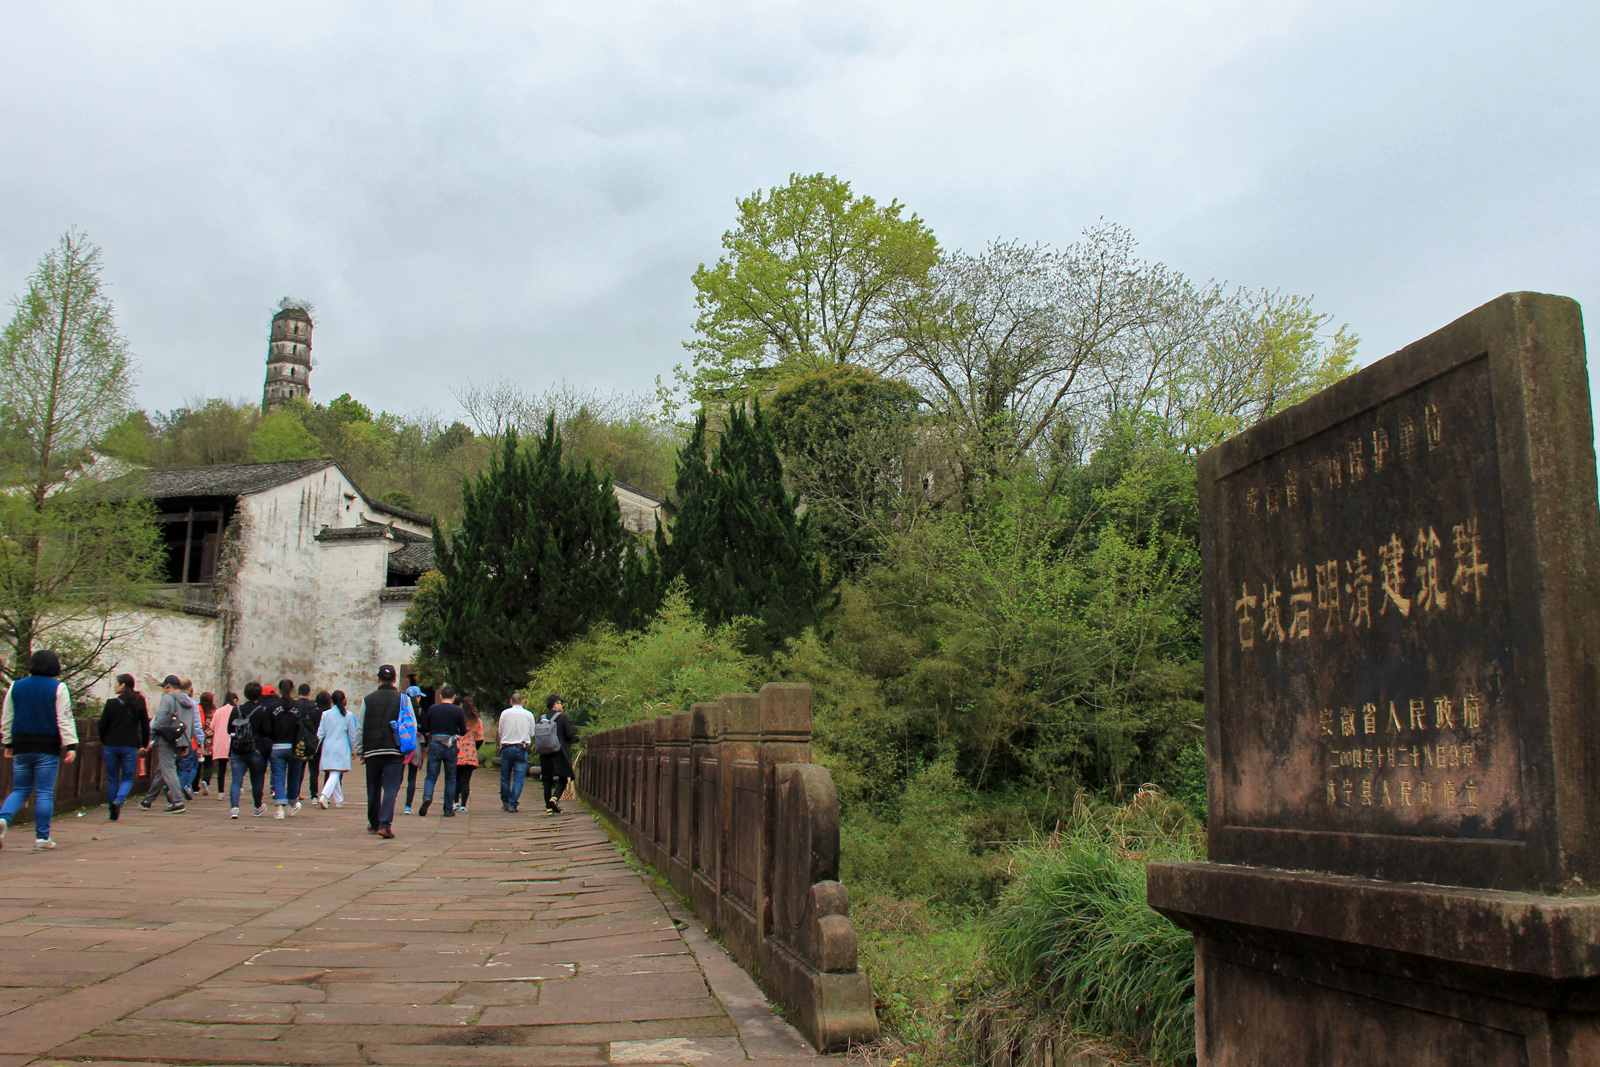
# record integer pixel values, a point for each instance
(1402, 613)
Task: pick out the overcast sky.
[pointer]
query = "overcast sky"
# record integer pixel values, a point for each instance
(475, 190)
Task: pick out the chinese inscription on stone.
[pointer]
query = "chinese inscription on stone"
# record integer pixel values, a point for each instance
(1364, 625)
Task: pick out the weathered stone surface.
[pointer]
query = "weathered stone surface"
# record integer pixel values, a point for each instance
(1401, 618)
(745, 826)
(1402, 611)
(349, 951)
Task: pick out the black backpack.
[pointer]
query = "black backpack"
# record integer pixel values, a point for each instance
(305, 744)
(244, 735)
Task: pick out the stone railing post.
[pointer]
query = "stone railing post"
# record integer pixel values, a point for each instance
(740, 914)
(785, 727)
(681, 841)
(724, 800)
(708, 840)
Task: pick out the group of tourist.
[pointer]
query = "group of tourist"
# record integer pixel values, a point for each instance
(393, 735)
(280, 734)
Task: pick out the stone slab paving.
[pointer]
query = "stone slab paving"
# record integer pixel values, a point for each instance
(486, 939)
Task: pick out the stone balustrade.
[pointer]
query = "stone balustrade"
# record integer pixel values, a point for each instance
(724, 801)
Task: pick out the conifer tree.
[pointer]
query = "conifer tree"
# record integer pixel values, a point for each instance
(737, 542)
(540, 555)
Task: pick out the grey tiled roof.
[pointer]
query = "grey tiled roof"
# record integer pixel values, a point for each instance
(398, 512)
(351, 533)
(413, 558)
(637, 491)
(234, 479)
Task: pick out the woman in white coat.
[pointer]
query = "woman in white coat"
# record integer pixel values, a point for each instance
(334, 734)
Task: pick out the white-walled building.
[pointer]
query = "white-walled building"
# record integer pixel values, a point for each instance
(278, 570)
(287, 570)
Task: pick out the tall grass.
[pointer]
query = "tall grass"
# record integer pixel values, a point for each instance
(1073, 933)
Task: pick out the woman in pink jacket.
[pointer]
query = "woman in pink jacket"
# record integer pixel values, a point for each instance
(220, 740)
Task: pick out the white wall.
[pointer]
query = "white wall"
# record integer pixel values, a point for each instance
(353, 635)
(302, 608)
(275, 597)
(189, 646)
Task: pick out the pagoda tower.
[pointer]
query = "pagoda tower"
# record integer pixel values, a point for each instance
(288, 358)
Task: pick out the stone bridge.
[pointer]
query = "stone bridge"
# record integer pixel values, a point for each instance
(487, 939)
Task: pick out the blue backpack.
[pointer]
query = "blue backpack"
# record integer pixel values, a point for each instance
(405, 728)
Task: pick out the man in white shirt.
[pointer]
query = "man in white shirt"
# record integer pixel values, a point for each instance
(516, 734)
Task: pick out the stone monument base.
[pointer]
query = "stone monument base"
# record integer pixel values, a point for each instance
(1309, 970)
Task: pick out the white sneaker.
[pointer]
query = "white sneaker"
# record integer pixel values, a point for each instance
(261, 810)
(338, 803)
(4, 826)
(296, 809)
(233, 813)
(205, 790)
(321, 803)
(42, 844)
(279, 813)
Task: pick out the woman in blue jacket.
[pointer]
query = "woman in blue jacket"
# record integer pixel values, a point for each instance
(335, 736)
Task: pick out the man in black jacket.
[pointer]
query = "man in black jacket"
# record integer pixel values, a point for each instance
(310, 717)
(250, 734)
(445, 722)
(379, 751)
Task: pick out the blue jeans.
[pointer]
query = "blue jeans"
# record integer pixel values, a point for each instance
(513, 772)
(282, 756)
(33, 772)
(122, 764)
(441, 753)
(188, 767)
(256, 765)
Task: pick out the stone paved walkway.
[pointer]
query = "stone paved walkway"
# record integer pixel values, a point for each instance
(486, 939)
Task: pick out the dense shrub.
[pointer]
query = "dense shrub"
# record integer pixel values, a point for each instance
(612, 678)
(1074, 935)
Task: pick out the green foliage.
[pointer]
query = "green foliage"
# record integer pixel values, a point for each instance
(343, 408)
(1075, 935)
(922, 960)
(71, 561)
(617, 433)
(737, 543)
(427, 607)
(844, 433)
(539, 557)
(69, 570)
(205, 433)
(1187, 781)
(924, 847)
(66, 375)
(1032, 638)
(611, 678)
(634, 449)
(809, 276)
(133, 440)
(281, 436)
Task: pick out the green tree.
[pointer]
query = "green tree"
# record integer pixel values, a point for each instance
(281, 435)
(811, 275)
(845, 433)
(205, 433)
(71, 558)
(737, 543)
(133, 440)
(540, 556)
